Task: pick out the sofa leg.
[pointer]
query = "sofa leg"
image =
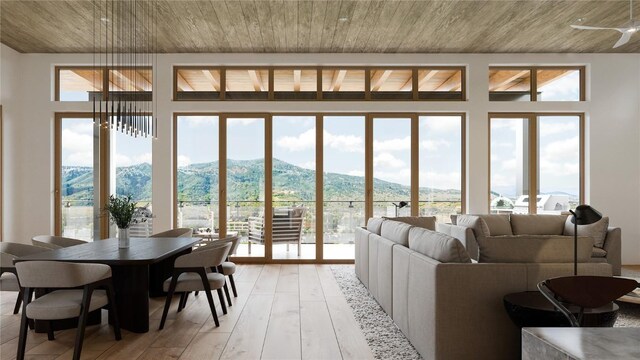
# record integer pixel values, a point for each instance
(249, 247)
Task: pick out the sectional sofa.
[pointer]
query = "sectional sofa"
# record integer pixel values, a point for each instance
(476, 230)
(448, 305)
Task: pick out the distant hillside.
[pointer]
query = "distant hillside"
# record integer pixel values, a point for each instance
(245, 181)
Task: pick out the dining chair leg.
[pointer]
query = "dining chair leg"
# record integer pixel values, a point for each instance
(221, 297)
(18, 302)
(207, 290)
(50, 330)
(172, 288)
(184, 300)
(181, 301)
(226, 293)
(113, 312)
(233, 286)
(22, 340)
(82, 323)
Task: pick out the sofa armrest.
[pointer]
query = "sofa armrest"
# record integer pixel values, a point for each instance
(613, 247)
(462, 233)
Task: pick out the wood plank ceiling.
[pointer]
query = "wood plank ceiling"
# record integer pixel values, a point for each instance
(333, 26)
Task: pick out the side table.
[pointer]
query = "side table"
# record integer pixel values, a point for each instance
(532, 309)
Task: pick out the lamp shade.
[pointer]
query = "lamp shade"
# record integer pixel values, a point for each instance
(585, 215)
(402, 204)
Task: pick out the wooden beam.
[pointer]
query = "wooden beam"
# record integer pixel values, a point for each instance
(92, 77)
(297, 74)
(502, 79)
(209, 75)
(257, 81)
(336, 82)
(547, 76)
(407, 84)
(137, 82)
(183, 84)
(378, 79)
(453, 83)
(425, 75)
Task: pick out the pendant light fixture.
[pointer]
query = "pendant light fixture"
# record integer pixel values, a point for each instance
(125, 53)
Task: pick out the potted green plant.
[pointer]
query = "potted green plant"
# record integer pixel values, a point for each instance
(122, 212)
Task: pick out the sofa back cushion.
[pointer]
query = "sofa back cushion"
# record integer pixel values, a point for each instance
(396, 231)
(478, 225)
(498, 224)
(597, 231)
(438, 246)
(427, 222)
(537, 224)
(533, 249)
(375, 225)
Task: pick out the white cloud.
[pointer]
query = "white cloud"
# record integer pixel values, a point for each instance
(441, 124)
(510, 165)
(304, 141)
(196, 121)
(557, 127)
(393, 144)
(123, 160)
(347, 143)
(78, 146)
(438, 180)
(434, 145)
(399, 176)
(356, 173)
(183, 160)
(242, 121)
(311, 165)
(387, 160)
(562, 149)
(144, 158)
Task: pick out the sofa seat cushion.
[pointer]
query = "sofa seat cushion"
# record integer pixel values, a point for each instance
(597, 231)
(498, 224)
(478, 225)
(537, 224)
(533, 249)
(9, 282)
(193, 282)
(438, 246)
(427, 222)
(596, 252)
(396, 231)
(375, 225)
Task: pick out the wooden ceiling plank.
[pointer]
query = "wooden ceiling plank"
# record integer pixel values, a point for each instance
(304, 10)
(453, 83)
(93, 78)
(266, 25)
(425, 75)
(183, 85)
(317, 20)
(329, 25)
(546, 76)
(214, 82)
(500, 79)
(297, 74)
(256, 80)
(338, 77)
(132, 81)
(378, 78)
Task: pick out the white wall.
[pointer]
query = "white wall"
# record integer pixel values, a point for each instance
(613, 130)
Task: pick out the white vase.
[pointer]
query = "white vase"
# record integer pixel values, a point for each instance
(123, 238)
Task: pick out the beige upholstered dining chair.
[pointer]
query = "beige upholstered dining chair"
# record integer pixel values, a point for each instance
(227, 268)
(192, 272)
(67, 300)
(8, 274)
(179, 232)
(55, 242)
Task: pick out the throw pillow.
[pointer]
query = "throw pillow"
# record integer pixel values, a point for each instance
(474, 222)
(533, 249)
(438, 246)
(427, 222)
(597, 230)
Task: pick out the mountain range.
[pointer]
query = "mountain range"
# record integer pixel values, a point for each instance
(245, 181)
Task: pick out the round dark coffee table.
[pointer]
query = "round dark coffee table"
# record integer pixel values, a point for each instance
(532, 309)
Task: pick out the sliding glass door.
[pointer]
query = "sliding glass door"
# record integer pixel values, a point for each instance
(77, 179)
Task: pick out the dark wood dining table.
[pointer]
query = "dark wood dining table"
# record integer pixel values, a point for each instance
(138, 272)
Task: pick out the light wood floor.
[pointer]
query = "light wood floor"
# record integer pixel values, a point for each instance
(282, 312)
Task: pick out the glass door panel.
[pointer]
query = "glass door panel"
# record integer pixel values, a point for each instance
(391, 166)
(246, 183)
(558, 163)
(78, 170)
(509, 157)
(343, 184)
(440, 154)
(294, 187)
(198, 172)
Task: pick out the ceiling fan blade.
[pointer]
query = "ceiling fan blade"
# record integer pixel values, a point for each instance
(585, 27)
(626, 35)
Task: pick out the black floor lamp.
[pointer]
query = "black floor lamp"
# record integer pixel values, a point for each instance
(583, 215)
(400, 206)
